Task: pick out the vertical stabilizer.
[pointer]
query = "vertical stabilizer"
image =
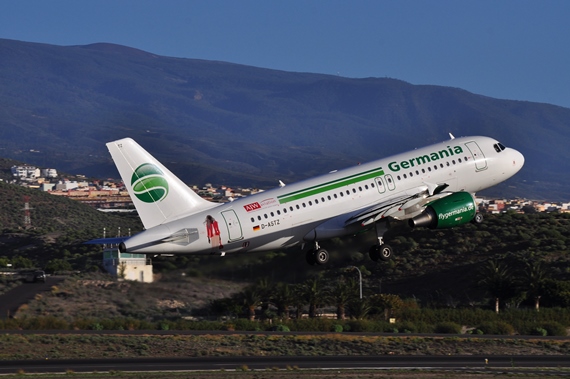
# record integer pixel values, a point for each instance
(157, 193)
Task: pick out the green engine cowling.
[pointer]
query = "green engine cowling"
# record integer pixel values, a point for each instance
(456, 209)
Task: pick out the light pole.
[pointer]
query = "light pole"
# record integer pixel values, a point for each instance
(360, 278)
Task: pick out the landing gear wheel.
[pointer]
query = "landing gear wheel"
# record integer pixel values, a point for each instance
(310, 256)
(321, 256)
(385, 252)
(478, 219)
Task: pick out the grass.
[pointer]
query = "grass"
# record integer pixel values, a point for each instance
(75, 346)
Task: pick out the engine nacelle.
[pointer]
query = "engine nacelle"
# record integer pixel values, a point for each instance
(456, 209)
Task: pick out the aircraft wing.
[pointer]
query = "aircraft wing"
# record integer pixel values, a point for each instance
(402, 205)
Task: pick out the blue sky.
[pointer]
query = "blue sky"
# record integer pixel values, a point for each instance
(504, 49)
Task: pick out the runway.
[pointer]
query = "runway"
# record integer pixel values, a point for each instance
(471, 363)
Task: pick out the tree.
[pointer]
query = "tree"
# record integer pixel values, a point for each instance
(264, 289)
(359, 308)
(58, 265)
(533, 279)
(386, 302)
(497, 280)
(341, 294)
(314, 293)
(283, 296)
(250, 299)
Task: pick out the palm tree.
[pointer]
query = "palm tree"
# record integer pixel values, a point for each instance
(250, 299)
(283, 296)
(498, 281)
(341, 294)
(264, 288)
(314, 292)
(359, 308)
(533, 277)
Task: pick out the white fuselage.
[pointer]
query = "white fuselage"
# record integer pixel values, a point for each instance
(289, 215)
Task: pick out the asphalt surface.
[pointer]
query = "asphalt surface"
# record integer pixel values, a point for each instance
(16, 297)
(471, 363)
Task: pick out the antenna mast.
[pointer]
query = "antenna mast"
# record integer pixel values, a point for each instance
(27, 217)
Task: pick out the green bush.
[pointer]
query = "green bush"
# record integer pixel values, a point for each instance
(282, 328)
(337, 328)
(359, 326)
(496, 327)
(246, 325)
(539, 332)
(554, 328)
(448, 328)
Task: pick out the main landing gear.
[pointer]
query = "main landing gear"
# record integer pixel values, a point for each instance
(381, 251)
(318, 255)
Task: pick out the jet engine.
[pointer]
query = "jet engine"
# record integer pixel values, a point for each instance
(456, 209)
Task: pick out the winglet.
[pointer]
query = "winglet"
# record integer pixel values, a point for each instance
(451, 136)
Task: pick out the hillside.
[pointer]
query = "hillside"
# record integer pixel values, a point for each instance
(237, 125)
(59, 227)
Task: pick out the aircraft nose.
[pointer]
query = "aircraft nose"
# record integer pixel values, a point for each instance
(518, 160)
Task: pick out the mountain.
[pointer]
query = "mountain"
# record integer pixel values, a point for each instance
(231, 124)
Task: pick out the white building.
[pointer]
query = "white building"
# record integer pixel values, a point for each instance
(25, 172)
(128, 266)
(49, 173)
(66, 185)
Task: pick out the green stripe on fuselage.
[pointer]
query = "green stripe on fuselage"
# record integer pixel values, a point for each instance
(306, 192)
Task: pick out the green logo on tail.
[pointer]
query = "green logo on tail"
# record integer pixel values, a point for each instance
(149, 184)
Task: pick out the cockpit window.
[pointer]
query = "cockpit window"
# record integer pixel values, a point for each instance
(499, 147)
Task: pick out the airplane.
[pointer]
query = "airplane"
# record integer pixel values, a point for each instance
(432, 187)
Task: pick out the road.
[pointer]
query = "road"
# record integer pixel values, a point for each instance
(16, 297)
(503, 363)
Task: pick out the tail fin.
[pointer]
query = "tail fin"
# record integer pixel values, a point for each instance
(159, 196)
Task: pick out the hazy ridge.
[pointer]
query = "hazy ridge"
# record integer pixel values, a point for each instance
(238, 125)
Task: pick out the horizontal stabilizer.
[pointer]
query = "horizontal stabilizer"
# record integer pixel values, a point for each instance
(107, 241)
